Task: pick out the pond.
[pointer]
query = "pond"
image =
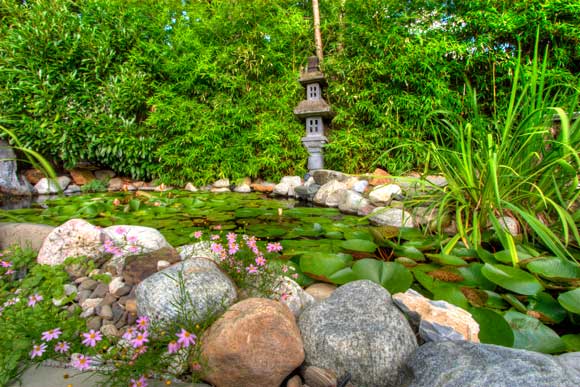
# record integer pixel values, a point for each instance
(324, 244)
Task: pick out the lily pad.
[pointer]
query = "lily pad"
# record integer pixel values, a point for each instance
(321, 266)
(570, 300)
(446, 259)
(532, 335)
(450, 293)
(409, 252)
(472, 276)
(514, 279)
(382, 234)
(555, 268)
(572, 342)
(493, 328)
(391, 275)
(547, 309)
(359, 245)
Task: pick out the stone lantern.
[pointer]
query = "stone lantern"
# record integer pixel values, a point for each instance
(316, 113)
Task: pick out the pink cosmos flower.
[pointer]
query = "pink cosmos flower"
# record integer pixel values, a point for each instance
(132, 239)
(82, 362)
(274, 247)
(51, 334)
(5, 263)
(10, 271)
(214, 237)
(129, 333)
(284, 297)
(37, 350)
(133, 248)
(62, 347)
(173, 347)
(217, 227)
(295, 276)
(231, 237)
(91, 338)
(252, 269)
(197, 234)
(140, 339)
(217, 248)
(233, 248)
(34, 299)
(142, 323)
(260, 261)
(185, 338)
(141, 382)
(284, 268)
(120, 230)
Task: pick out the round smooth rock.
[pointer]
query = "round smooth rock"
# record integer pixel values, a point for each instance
(359, 330)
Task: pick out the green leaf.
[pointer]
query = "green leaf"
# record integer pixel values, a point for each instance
(393, 276)
(530, 334)
(409, 252)
(555, 268)
(572, 342)
(134, 204)
(570, 300)
(322, 265)
(450, 293)
(550, 310)
(446, 259)
(472, 276)
(359, 245)
(493, 328)
(511, 278)
(343, 276)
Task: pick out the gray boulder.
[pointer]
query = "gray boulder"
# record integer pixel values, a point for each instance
(47, 186)
(23, 234)
(359, 330)
(323, 176)
(350, 201)
(10, 183)
(462, 363)
(329, 194)
(207, 288)
(396, 217)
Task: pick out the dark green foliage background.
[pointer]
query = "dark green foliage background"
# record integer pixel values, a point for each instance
(140, 87)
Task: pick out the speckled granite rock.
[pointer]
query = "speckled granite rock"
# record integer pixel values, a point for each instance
(75, 238)
(396, 217)
(23, 234)
(462, 363)
(359, 330)
(329, 194)
(292, 295)
(199, 249)
(138, 267)
(208, 288)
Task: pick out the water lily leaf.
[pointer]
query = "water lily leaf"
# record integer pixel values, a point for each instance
(359, 245)
(382, 234)
(134, 204)
(514, 279)
(391, 275)
(409, 252)
(572, 342)
(515, 302)
(249, 212)
(555, 268)
(532, 335)
(493, 328)
(424, 279)
(485, 255)
(570, 300)
(321, 266)
(343, 276)
(358, 234)
(472, 276)
(411, 234)
(546, 308)
(446, 259)
(450, 293)
(333, 235)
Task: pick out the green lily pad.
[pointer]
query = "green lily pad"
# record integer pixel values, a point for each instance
(409, 252)
(450, 293)
(343, 276)
(359, 245)
(493, 328)
(514, 279)
(570, 300)
(485, 256)
(555, 268)
(333, 235)
(572, 342)
(530, 334)
(321, 266)
(549, 310)
(358, 234)
(472, 276)
(266, 231)
(446, 259)
(411, 234)
(248, 212)
(391, 275)
(382, 234)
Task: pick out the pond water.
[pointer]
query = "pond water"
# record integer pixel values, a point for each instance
(324, 244)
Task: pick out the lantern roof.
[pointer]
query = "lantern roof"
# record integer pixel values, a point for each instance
(316, 107)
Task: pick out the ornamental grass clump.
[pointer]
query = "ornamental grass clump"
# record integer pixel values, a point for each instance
(517, 165)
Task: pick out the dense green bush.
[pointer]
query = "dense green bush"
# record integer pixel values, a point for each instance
(194, 90)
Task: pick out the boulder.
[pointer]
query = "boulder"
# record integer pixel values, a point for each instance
(462, 363)
(439, 181)
(437, 320)
(255, 343)
(81, 176)
(360, 186)
(47, 186)
(104, 174)
(190, 187)
(209, 291)
(292, 295)
(397, 217)
(72, 189)
(10, 183)
(350, 201)
(243, 188)
(384, 193)
(138, 267)
(287, 185)
(133, 240)
(510, 224)
(323, 176)
(116, 184)
(359, 330)
(33, 175)
(197, 250)
(24, 235)
(320, 291)
(329, 194)
(75, 238)
(221, 183)
(380, 177)
(307, 191)
(263, 187)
